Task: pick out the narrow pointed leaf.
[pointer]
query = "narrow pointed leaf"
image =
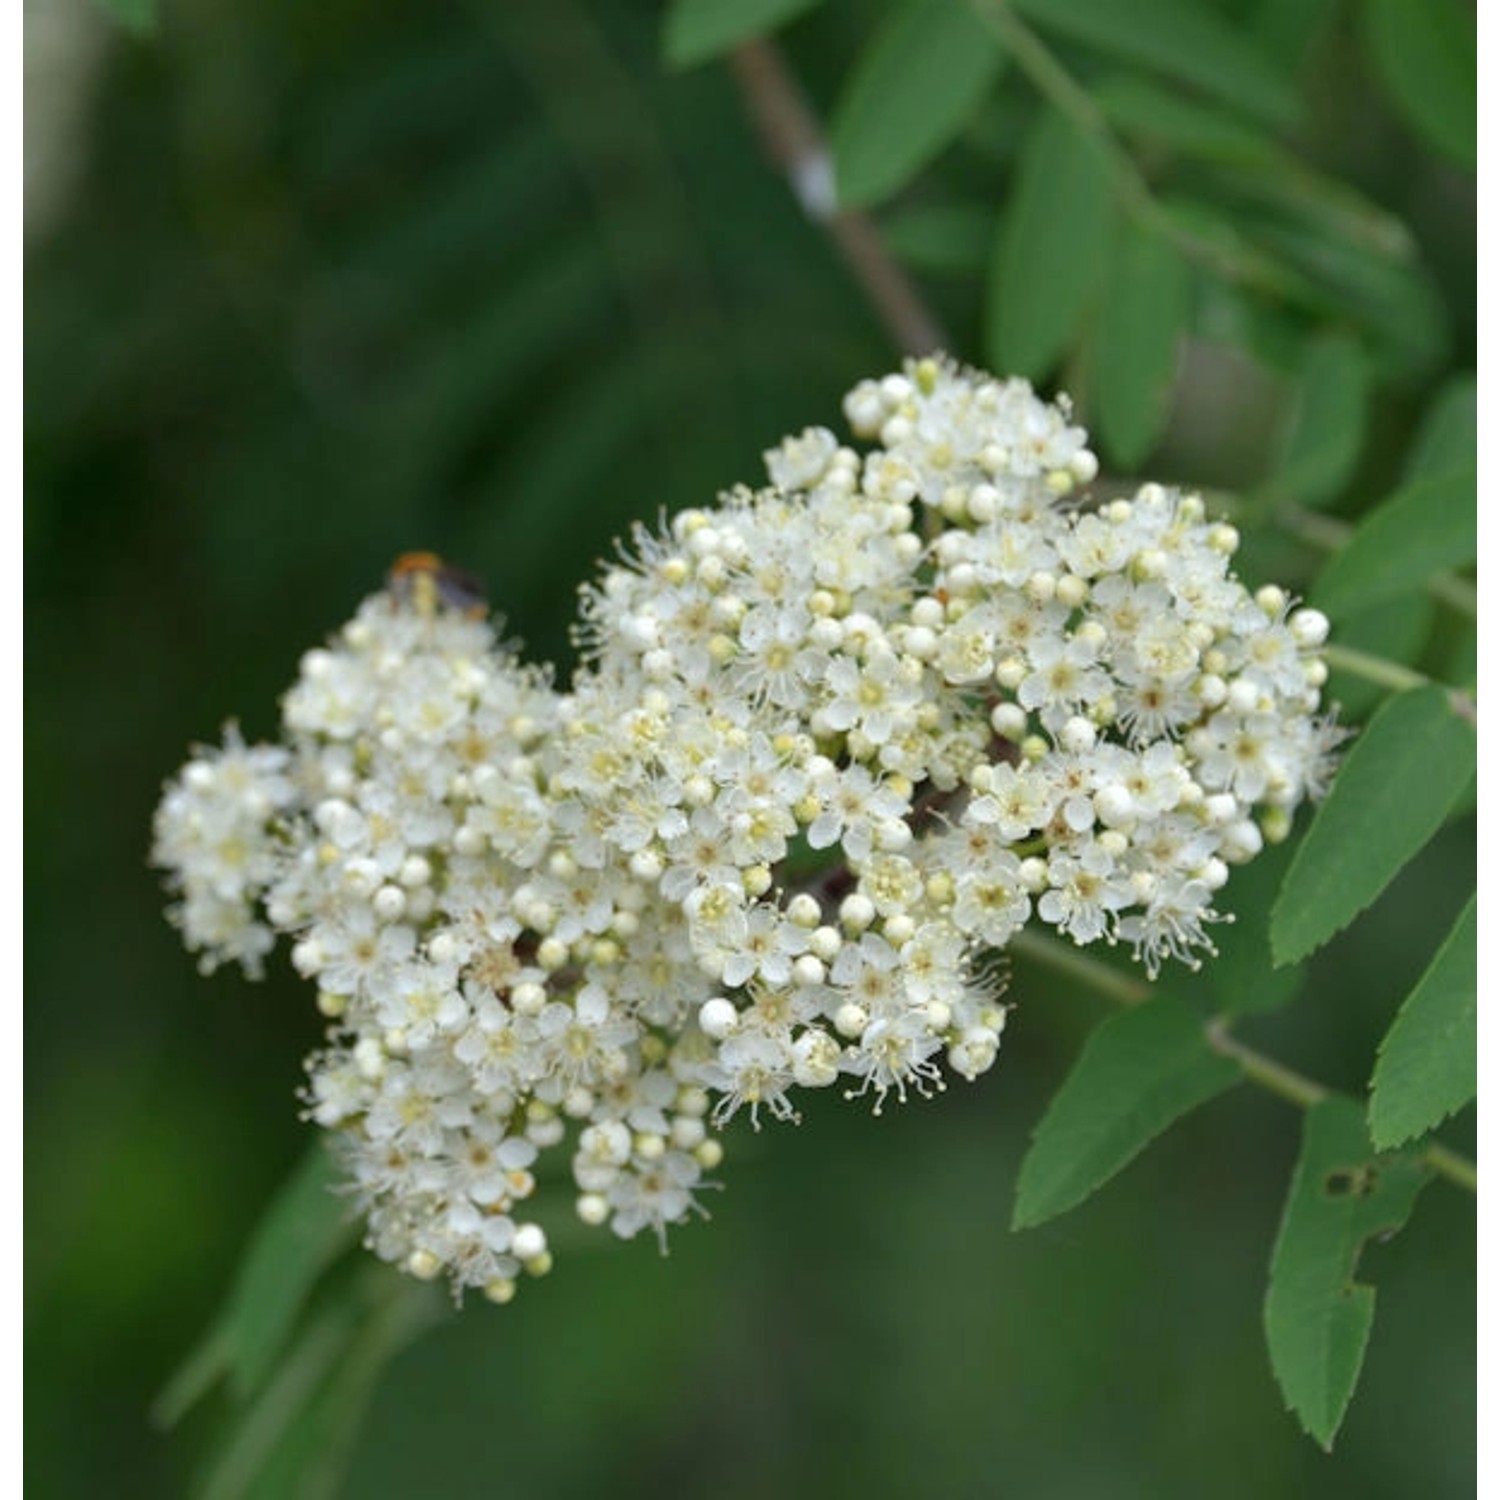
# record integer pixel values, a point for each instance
(1052, 247)
(1317, 1316)
(696, 30)
(1145, 314)
(1427, 57)
(305, 1227)
(1138, 1072)
(913, 87)
(1327, 427)
(1400, 778)
(1424, 528)
(1185, 40)
(1448, 438)
(1429, 1063)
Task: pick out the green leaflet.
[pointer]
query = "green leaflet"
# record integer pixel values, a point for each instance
(1397, 629)
(1427, 58)
(301, 1233)
(1327, 427)
(137, 16)
(1139, 1071)
(915, 84)
(294, 1440)
(1317, 1316)
(1424, 528)
(1397, 784)
(1183, 39)
(943, 238)
(1449, 435)
(1052, 247)
(1241, 979)
(696, 30)
(1140, 327)
(1429, 1064)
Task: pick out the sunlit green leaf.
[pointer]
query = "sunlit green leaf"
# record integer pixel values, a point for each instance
(1424, 528)
(696, 30)
(1184, 39)
(1429, 1065)
(1327, 427)
(1427, 57)
(1051, 252)
(1400, 778)
(1138, 1072)
(914, 84)
(1144, 316)
(1317, 1316)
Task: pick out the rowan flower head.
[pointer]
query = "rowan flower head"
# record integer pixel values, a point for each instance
(833, 743)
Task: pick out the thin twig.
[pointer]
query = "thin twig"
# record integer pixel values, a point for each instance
(1263, 1071)
(795, 143)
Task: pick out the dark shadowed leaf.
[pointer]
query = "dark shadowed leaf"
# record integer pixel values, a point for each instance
(1428, 1065)
(1138, 1072)
(1317, 1316)
(948, 238)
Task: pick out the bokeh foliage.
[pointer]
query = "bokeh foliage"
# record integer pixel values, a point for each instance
(341, 280)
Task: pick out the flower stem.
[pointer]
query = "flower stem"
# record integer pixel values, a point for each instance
(1376, 669)
(1265, 1072)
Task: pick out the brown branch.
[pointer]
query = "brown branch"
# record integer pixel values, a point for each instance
(794, 141)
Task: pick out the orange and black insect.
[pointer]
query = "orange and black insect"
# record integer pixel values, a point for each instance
(424, 580)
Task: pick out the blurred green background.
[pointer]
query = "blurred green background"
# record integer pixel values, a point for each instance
(310, 285)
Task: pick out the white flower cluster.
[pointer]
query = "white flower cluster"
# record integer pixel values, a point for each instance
(835, 741)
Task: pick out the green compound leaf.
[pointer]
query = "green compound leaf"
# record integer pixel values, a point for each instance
(1145, 314)
(696, 30)
(1422, 529)
(1138, 1072)
(914, 86)
(1429, 1062)
(1317, 1316)
(1427, 57)
(1185, 40)
(302, 1232)
(1403, 774)
(1327, 428)
(1053, 244)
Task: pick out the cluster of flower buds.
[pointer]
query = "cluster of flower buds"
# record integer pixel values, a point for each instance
(833, 743)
